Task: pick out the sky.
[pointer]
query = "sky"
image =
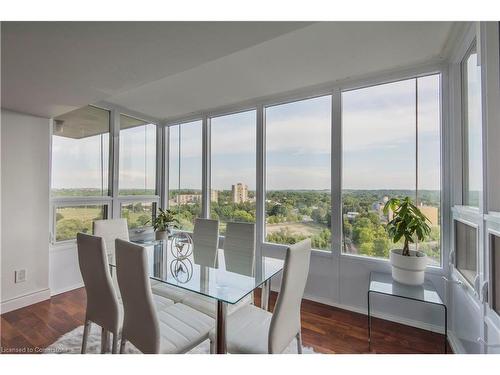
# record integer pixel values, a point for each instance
(378, 135)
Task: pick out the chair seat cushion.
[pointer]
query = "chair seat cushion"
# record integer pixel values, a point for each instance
(208, 305)
(162, 303)
(182, 328)
(168, 291)
(247, 331)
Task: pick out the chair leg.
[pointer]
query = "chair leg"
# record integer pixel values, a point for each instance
(114, 350)
(104, 340)
(212, 347)
(122, 346)
(299, 343)
(86, 329)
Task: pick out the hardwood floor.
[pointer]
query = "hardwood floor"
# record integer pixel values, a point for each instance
(326, 329)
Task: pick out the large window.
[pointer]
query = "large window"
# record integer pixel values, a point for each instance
(80, 153)
(471, 98)
(391, 148)
(137, 157)
(298, 154)
(233, 158)
(80, 171)
(184, 171)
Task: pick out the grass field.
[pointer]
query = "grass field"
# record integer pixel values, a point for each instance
(74, 219)
(305, 229)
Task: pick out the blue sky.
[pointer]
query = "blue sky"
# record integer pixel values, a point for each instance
(378, 145)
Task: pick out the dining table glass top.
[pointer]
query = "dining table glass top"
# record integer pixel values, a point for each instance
(229, 279)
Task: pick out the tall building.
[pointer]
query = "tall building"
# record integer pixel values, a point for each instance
(240, 193)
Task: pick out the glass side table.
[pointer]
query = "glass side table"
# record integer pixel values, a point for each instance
(382, 283)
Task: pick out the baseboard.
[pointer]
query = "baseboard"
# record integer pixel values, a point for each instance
(378, 314)
(23, 301)
(66, 289)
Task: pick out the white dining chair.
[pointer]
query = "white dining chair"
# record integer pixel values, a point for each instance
(102, 295)
(239, 254)
(257, 331)
(239, 248)
(110, 230)
(102, 302)
(205, 242)
(175, 329)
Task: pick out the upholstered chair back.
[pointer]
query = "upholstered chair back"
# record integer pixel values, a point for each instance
(205, 242)
(140, 320)
(285, 323)
(239, 248)
(102, 301)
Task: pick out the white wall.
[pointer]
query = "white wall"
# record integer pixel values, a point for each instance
(25, 208)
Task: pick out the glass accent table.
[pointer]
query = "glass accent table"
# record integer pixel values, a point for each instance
(382, 283)
(229, 281)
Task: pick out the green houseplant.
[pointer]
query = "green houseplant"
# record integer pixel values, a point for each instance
(408, 224)
(163, 222)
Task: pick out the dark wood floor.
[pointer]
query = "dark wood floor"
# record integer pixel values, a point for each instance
(325, 328)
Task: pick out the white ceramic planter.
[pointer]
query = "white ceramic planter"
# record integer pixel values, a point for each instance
(408, 270)
(161, 235)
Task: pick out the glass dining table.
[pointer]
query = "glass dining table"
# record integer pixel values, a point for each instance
(228, 281)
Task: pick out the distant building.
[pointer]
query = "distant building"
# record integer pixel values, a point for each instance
(431, 212)
(214, 195)
(240, 193)
(188, 198)
(193, 198)
(351, 215)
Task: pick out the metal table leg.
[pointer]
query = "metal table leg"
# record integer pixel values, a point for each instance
(369, 324)
(220, 340)
(266, 294)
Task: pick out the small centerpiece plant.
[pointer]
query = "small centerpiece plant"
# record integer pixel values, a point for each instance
(164, 221)
(408, 223)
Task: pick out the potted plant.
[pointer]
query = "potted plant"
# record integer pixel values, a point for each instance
(163, 222)
(408, 222)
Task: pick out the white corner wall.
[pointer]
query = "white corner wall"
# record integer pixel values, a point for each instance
(25, 146)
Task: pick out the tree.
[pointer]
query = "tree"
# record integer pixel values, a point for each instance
(240, 215)
(319, 215)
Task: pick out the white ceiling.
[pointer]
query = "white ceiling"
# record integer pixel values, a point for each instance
(168, 69)
(49, 68)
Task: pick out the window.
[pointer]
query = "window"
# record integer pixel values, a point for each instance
(233, 158)
(184, 171)
(466, 250)
(298, 153)
(80, 168)
(391, 148)
(80, 153)
(69, 220)
(137, 157)
(138, 214)
(472, 119)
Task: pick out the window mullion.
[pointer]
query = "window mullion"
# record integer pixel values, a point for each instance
(115, 157)
(336, 172)
(205, 183)
(260, 183)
